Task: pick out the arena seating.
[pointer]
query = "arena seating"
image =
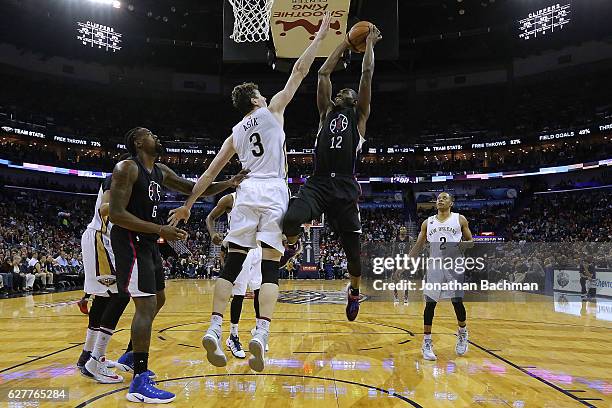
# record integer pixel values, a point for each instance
(583, 215)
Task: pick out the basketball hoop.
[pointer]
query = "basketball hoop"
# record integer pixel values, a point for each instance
(251, 20)
(307, 228)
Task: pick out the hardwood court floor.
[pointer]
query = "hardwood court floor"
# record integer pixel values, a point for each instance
(523, 353)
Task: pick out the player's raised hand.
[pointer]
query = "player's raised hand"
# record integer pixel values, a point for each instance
(170, 233)
(179, 214)
(324, 26)
(374, 35)
(237, 179)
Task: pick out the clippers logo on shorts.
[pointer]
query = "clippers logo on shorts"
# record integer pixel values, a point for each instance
(154, 191)
(338, 124)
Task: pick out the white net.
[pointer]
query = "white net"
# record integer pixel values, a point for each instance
(251, 20)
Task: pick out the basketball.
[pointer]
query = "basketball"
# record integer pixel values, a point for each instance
(357, 36)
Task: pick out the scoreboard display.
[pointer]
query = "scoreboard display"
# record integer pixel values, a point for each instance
(545, 21)
(99, 36)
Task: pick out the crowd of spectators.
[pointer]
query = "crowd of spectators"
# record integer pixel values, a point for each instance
(570, 229)
(377, 225)
(40, 237)
(528, 262)
(39, 240)
(198, 263)
(565, 217)
(489, 218)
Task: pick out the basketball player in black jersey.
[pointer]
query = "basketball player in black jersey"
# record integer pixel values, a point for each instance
(136, 192)
(333, 189)
(401, 247)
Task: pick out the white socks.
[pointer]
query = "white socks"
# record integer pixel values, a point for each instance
(234, 329)
(90, 340)
(104, 336)
(216, 320)
(263, 324)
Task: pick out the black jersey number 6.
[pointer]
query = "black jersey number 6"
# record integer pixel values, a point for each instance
(256, 140)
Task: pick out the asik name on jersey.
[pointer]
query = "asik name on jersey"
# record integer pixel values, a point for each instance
(250, 123)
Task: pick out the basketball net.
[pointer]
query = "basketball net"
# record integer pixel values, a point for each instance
(251, 20)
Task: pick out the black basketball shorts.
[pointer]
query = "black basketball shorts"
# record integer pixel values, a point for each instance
(138, 263)
(336, 197)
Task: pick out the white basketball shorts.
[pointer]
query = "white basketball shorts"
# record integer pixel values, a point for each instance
(258, 213)
(99, 263)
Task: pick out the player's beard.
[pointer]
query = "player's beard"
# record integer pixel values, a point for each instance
(159, 149)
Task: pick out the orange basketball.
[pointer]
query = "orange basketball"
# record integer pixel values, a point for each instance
(357, 36)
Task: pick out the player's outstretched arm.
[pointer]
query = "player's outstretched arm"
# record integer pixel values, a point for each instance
(219, 187)
(176, 183)
(324, 85)
(300, 69)
(225, 154)
(225, 203)
(125, 175)
(365, 83)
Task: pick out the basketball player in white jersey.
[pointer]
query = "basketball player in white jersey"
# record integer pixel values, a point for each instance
(249, 275)
(261, 200)
(100, 281)
(447, 233)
